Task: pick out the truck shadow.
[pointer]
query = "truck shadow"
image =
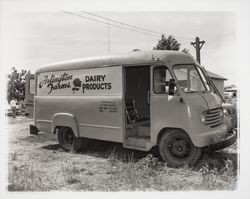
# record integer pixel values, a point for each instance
(97, 148)
(53, 147)
(105, 149)
(110, 150)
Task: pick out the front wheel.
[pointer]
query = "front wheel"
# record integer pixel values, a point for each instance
(69, 142)
(177, 149)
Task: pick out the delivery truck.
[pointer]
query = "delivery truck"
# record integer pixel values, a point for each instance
(141, 99)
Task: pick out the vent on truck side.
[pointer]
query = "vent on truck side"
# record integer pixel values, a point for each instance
(213, 117)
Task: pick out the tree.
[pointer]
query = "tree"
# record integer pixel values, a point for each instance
(185, 50)
(169, 43)
(16, 85)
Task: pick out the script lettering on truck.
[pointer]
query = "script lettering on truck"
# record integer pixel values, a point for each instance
(99, 81)
(53, 82)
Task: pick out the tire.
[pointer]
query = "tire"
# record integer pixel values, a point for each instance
(177, 149)
(69, 142)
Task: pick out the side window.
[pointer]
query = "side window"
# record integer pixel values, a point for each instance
(32, 87)
(161, 76)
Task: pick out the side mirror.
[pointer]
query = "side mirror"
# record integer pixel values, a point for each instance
(171, 87)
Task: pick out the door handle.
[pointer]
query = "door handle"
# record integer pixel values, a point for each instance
(148, 96)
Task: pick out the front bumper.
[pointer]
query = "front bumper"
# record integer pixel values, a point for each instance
(228, 141)
(211, 137)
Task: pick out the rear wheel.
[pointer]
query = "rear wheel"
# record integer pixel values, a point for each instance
(177, 149)
(69, 142)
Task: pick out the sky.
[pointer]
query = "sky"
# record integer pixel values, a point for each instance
(34, 37)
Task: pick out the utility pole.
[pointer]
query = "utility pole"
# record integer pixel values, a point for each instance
(108, 38)
(198, 45)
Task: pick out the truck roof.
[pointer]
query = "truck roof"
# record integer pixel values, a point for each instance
(131, 58)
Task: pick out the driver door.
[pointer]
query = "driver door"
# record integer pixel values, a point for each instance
(165, 109)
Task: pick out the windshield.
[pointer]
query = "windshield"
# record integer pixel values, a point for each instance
(191, 78)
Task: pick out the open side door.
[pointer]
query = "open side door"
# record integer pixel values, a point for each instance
(29, 95)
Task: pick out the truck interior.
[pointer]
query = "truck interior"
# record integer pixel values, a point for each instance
(137, 105)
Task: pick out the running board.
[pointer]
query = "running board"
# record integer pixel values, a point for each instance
(142, 143)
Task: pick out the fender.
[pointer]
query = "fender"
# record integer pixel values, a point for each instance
(65, 119)
(163, 131)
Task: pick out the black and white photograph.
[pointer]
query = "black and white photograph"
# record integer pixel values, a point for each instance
(125, 98)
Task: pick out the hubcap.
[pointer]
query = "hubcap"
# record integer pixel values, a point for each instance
(179, 147)
(68, 138)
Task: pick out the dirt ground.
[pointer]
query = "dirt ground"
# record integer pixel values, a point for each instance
(37, 163)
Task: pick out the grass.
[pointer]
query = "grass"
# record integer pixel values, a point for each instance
(150, 174)
(25, 178)
(14, 156)
(36, 163)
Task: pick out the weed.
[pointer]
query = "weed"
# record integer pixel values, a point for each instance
(85, 186)
(141, 175)
(215, 178)
(111, 171)
(71, 179)
(70, 174)
(15, 187)
(47, 157)
(14, 156)
(15, 168)
(90, 173)
(229, 167)
(208, 178)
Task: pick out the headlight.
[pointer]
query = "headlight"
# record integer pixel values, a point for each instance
(225, 112)
(203, 118)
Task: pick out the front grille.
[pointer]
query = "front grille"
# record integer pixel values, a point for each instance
(213, 117)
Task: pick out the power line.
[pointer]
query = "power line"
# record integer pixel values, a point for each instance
(108, 38)
(138, 29)
(117, 26)
(124, 24)
(133, 26)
